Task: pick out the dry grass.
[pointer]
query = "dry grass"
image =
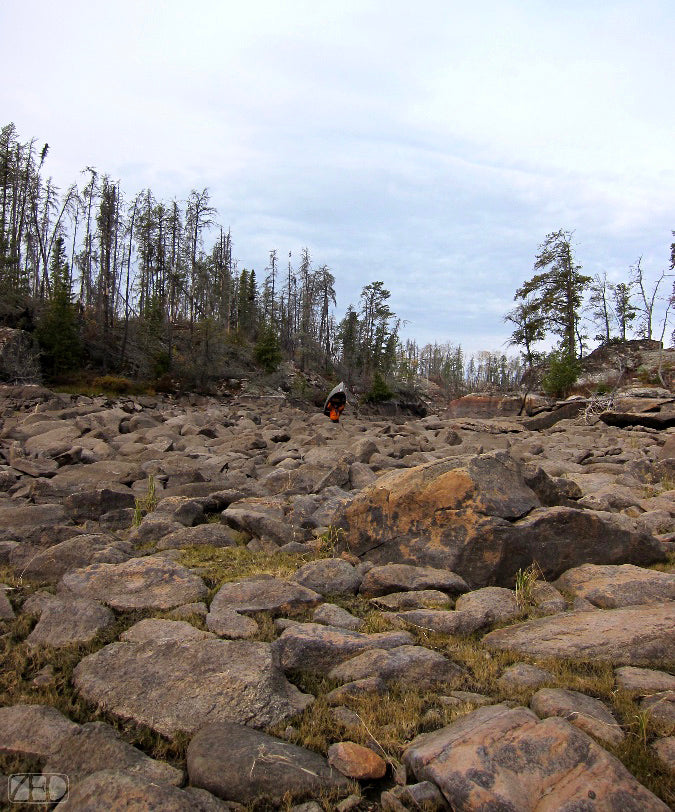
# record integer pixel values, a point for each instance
(385, 723)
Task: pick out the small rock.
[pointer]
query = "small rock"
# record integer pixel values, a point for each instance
(522, 675)
(356, 761)
(331, 615)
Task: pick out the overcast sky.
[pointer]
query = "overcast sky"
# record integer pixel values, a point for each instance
(430, 145)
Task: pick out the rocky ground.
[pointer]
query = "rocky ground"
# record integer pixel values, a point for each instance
(212, 604)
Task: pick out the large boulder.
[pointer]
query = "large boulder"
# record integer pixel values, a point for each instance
(476, 516)
(184, 684)
(505, 758)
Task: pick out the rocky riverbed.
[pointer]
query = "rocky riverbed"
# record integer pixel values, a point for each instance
(214, 603)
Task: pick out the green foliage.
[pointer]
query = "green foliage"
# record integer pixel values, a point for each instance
(379, 390)
(145, 504)
(58, 331)
(267, 351)
(555, 294)
(562, 374)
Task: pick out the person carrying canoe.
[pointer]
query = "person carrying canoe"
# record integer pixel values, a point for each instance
(335, 403)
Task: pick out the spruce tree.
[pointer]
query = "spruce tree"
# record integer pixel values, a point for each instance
(58, 331)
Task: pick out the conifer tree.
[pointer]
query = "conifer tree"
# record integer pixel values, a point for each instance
(58, 332)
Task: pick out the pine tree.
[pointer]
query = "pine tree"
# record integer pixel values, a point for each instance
(58, 332)
(556, 293)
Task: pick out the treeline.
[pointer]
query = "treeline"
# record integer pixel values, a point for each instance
(129, 284)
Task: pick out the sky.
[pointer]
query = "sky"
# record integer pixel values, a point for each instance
(431, 145)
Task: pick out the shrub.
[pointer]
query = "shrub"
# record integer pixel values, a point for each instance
(379, 391)
(562, 374)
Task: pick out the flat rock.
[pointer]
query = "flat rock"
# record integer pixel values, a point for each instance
(227, 622)
(115, 789)
(331, 615)
(505, 758)
(437, 620)
(316, 648)
(78, 551)
(28, 522)
(264, 593)
(93, 502)
(407, 665)
(492, 604)
(381, 580)
(356, 761)
(611, 586)
(239, 764)
(66, 620)
(642, 636)
(182, 685)
(140, 583)
(588, 714)
(523, 675)
(158, 630)
(215, 535)
(645, 680)
(329, 576)
(422, 599)
(98, 746)
(33, 730)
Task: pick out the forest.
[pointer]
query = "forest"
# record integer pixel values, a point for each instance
(116, 284)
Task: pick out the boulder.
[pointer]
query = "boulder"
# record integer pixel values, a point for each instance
(264, 593)
(140, 583)
(316, 648)
(215, 535)
(505, 758)
(239, 764)
(329, 576)
(331, 615)
(476, 517)
(66, 621)
(35, 731)
(396, 577)
(117, 789)
(97, 746)
(611, 586)
(644, 680)
(182, 685)
(92, 503)
(588, 714)
(633, 635)
(407, 665)
(78, 551)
